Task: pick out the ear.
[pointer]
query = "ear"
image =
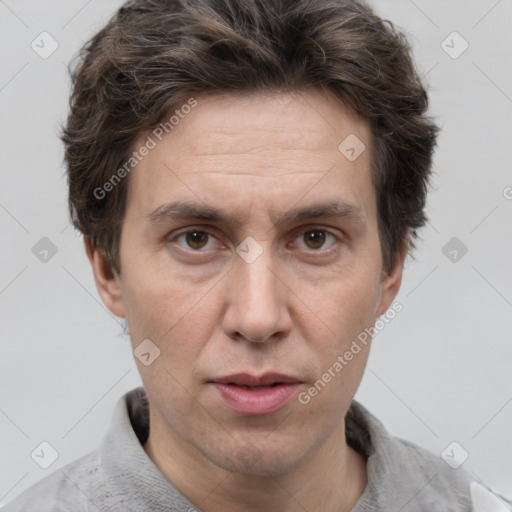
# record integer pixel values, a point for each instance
(391, 281)
(107, 280)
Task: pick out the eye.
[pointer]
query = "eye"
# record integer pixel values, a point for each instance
(194, 239)
(315, 239)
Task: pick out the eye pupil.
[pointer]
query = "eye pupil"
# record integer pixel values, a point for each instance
(197, 239)
(315, 239)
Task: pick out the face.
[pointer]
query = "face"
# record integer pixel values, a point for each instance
(250, 257)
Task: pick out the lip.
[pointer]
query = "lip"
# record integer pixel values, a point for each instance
(255, 395)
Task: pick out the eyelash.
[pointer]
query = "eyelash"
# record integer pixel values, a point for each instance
(301, 233)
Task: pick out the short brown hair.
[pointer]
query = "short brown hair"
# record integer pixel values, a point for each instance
(153, 55)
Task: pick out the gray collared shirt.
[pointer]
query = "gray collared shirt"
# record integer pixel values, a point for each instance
(120, 477)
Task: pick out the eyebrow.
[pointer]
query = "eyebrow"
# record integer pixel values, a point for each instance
(184, 210)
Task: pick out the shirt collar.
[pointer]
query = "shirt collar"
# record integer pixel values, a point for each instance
(397, 470)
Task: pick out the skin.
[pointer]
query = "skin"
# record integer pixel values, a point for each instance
(293, 310)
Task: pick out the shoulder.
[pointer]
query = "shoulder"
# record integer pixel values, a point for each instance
(446, 484)
(112, 477)
(435, 482)
(400, 473)
(70, 488)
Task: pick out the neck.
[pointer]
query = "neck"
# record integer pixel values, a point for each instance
(331, 479)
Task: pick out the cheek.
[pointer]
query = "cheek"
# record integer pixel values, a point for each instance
(348, 309)
(162, 307)
(354, 306)
(342, 304)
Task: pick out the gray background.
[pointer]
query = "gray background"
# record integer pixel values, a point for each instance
(439, 372)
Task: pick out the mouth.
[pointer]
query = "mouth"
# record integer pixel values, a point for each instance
(248, 394)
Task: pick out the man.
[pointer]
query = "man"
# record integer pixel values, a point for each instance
(249, 177)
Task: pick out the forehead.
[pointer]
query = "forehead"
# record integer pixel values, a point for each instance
(253, 148)
(312, 119)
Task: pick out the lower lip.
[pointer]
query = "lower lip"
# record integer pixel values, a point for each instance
(258, 401)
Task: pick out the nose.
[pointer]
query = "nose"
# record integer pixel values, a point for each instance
(256, 296)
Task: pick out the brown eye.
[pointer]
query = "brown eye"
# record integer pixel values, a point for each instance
(315, 239)
(196, 239)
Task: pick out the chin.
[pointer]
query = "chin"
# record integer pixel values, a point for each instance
(259, 459)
